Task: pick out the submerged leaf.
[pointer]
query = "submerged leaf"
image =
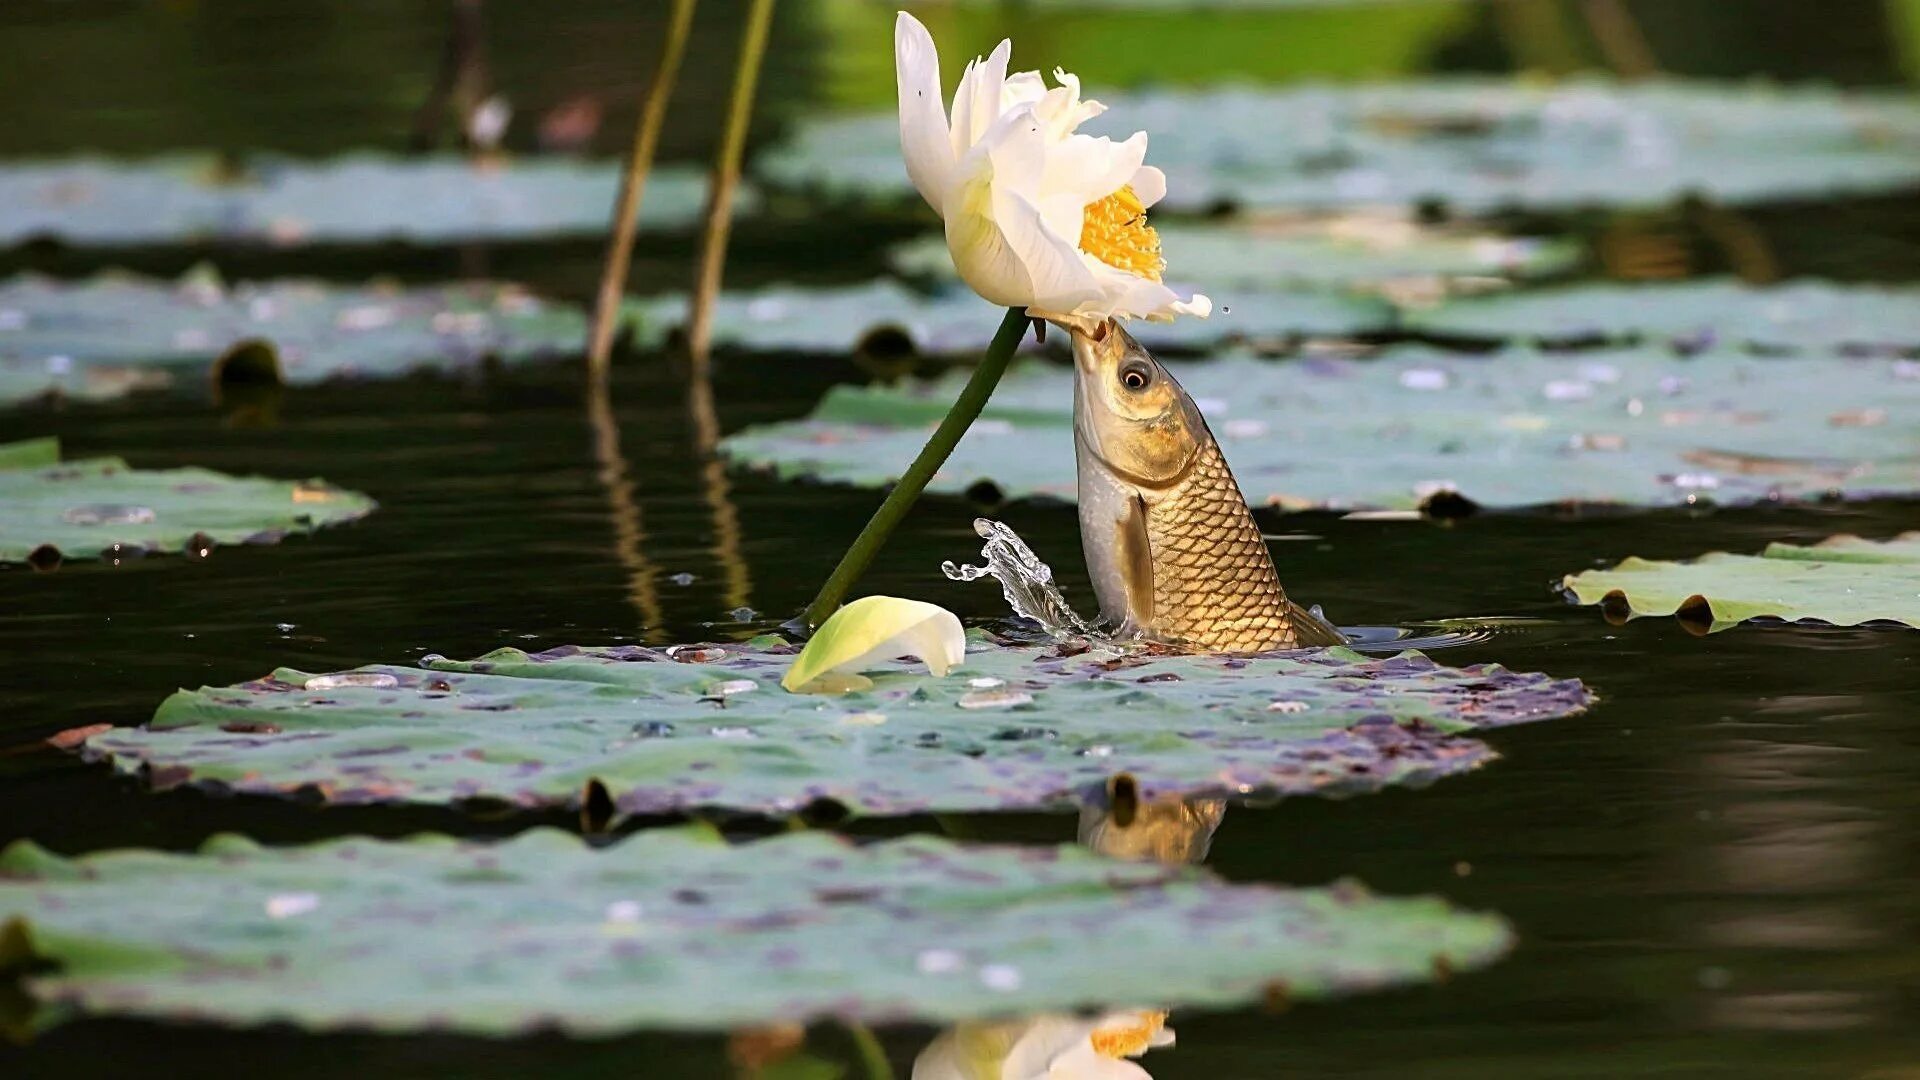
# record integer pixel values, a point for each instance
(1475, 145)
(1048, 732)
(674, 928)
(115, 333)
(1842, 580)
(1507, 431)
(357, 198)
(879, 628)
(100, 508)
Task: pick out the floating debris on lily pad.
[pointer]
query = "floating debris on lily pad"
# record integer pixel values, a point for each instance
(1517, 429)
(115, 332)
(1809, 315)
(675, 928)
(358, 198)
(1843, 580)
(534, 730)
(1473, 145)
(954, 321)
(1389, 254)
(100, 508)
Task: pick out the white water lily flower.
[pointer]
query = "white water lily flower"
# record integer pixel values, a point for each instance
(1047, 1047)
(875, 628)
(1036, 216)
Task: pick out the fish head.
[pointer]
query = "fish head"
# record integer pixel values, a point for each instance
(1129, 411)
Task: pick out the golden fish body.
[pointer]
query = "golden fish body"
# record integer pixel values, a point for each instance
(1174, 552)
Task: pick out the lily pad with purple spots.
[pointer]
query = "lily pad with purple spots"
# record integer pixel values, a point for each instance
(100, 508)
(1843, 581)
(675, 928)
(1014, 727)
(116, 333)
(1815, 316)
(1508, 431)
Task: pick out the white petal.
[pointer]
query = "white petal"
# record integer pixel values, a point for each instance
(876, 628)
(1022, 88)
(976, 104)
(1093, 168)
(1058, 278)
(1149, 185)
(1130, 296)
(923, 120)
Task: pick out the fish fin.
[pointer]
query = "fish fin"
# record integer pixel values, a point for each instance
(1136, 563)
(1310, 629)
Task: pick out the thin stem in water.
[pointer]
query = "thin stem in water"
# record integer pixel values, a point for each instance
(633, 184)
(873, 1056)
(959, 418)
(726, 177)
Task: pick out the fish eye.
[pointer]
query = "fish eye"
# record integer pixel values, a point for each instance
(1136, 377)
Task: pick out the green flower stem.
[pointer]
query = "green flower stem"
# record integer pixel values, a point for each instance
(966, 408)
(873, 1057)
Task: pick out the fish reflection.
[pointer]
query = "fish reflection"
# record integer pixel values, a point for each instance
(1060, 1046)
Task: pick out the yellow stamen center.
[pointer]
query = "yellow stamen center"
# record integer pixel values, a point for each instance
(1116, 232)
(1131, 1040)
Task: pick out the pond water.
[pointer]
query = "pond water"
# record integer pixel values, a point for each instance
(1712, 873)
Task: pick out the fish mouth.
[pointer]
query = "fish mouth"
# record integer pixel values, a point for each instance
(1091, 346)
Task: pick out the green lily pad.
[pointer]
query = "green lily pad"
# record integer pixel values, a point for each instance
(674, 928)
(1692, 314)
(1012, 727)
(1473, 144)
(1509, 431)
(1843, 580)
(358, 198)
(954, 322)
(100, 508)
(115, 333)
(1364, 253)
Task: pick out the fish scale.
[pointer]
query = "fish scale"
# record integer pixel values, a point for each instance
(1214, 584)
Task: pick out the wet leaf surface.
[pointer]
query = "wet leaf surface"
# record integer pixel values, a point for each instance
(675, 928)
(1801, 315)
(115, 333)
(1512, 430)
(1843, 580)
(1050, 730)
(954, 321)
(100, 508)
(1473, 145)
(357, 198)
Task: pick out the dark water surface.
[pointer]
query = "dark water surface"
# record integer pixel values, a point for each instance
(1714, 873)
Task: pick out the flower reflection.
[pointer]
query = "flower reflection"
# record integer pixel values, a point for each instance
(1058, 1046)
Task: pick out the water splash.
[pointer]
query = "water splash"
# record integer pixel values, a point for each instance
(1025, 580)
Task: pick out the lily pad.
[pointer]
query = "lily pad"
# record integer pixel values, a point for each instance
(100, 508)
(115, 333)
(1843, 580)
(1812, 315)
(1473, 144)
(674, 928)
(1011, 727)
(358, 198)
(953, 321)
(1513, 430)
(1377, 253)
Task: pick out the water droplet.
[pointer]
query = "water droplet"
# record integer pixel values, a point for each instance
(732, 733)
(288, 905)
(1287, 706)
(743, 614)
(995, 699)
(373, 680)
(682, 578)
(938, 962)
(1002, 977)
(108, 514)
(734, 686)
(986, 682)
